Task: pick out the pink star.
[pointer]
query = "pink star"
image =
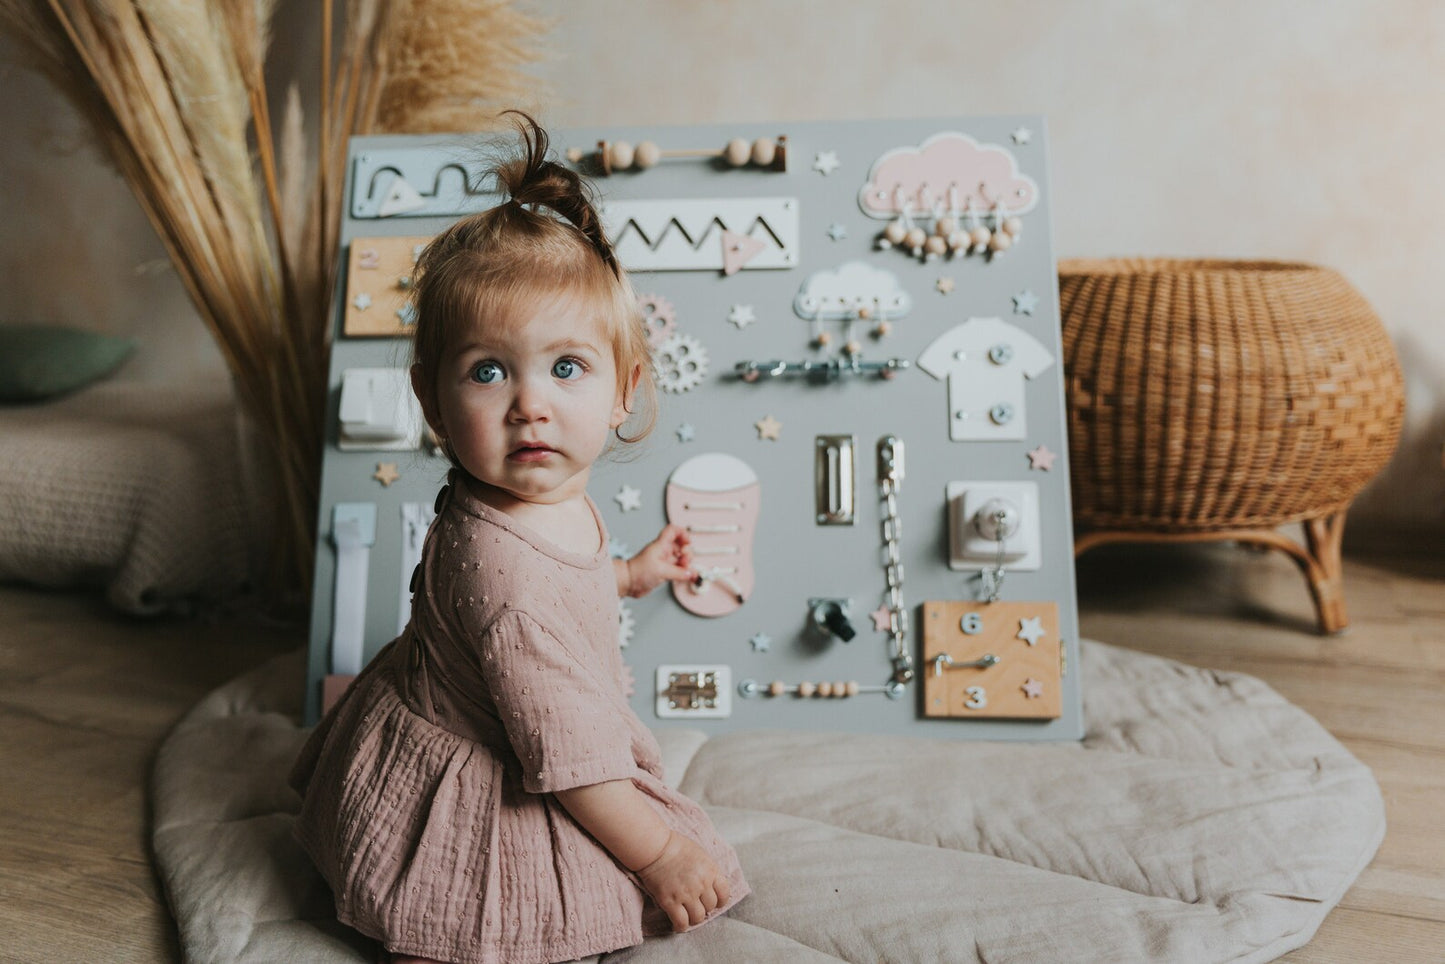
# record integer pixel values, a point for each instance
(1042, 458)
(1032, 688)
(881, 619)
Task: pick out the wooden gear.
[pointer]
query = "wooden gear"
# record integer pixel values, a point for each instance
(1218, 400)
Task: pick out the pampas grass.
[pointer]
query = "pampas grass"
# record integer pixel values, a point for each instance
(175, 93)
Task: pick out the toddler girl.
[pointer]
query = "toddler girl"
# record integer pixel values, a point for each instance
(483, 792)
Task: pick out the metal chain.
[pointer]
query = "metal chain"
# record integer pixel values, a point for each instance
(993, 578)
(890, 481)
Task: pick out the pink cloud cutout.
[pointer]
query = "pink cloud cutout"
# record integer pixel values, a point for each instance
(947, 169)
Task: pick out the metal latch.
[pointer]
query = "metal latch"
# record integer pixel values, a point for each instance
(694, 691)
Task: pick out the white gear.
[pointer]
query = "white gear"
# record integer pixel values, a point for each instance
(680, 363)
(658, 317)
(626, 624)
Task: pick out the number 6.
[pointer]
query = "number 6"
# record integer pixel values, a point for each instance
(972, 623)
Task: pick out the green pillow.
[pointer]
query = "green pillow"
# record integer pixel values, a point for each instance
(42, 361)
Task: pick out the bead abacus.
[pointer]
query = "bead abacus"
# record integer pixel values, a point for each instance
(841, 689)
(766, 152)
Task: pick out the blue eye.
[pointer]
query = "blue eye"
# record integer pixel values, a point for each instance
(567, 368)
(487, 373)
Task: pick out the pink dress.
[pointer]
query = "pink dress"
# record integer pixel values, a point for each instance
(428, 789)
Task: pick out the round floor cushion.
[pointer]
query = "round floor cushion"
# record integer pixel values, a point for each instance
(1202, 818)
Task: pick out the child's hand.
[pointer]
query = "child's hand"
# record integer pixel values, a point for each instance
(666, 558)
(685, 882)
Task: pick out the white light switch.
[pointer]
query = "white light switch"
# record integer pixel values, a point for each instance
(378, 410)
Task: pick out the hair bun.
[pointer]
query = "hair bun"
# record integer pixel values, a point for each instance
(532, 180)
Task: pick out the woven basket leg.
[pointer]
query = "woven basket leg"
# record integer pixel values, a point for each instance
(1318, 559)
(1324, 536)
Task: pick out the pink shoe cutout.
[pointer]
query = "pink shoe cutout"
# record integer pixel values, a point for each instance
(715, 496)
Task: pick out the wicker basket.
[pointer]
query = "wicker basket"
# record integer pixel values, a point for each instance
(1220, 399)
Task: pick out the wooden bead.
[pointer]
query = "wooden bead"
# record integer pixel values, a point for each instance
(619, 154)
(852, 687)
(777, 688)
(840, 689)
(882, 329)
(915, 239)
(737, 152)
(895, 232)
(825, 689)
(805, 689)
(979, 236)
(853, 348)
(945, 226)
(823, 340)
(959, 241)
(1012, 226)
(648, 154)
(865, 312)
(764, 151)
(1000, 242)
(935, 246)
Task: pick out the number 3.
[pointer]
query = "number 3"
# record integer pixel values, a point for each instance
(977, 698)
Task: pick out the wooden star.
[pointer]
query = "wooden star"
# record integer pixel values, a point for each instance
(1041, 458)
(882, 619)
(1031, 629)
(944, 285)
(386, 473)
(1032, 688)
(628, 498)
(768, 428)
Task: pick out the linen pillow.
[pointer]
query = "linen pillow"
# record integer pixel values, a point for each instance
(41, 361)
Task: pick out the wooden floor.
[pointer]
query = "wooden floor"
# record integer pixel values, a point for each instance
(86, 698)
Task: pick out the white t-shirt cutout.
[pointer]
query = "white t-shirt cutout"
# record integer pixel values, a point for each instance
(979, 384)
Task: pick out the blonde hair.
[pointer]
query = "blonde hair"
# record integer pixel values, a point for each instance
(546, 240)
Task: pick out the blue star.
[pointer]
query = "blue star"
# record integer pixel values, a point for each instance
(685, 432)
(760, 642)
(1025, 302)
(837, 231)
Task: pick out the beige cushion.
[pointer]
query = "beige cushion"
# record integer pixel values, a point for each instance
(1202, 818)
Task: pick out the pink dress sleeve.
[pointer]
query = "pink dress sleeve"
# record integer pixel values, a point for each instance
(562, 717)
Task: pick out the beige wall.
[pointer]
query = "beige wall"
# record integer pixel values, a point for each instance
(1297, 129)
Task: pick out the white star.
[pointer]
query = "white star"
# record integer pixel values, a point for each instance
(407, 314)
(685, 432)
(837, 231)
(742, 316)
(1021, 135)
(1030, 630)
(1032, 688)
(1025, 302)
(768, 428)
(760, 642)
(628, 498)
(362, 301)
(826, 162)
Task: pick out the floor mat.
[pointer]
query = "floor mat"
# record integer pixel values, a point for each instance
(1202, 818)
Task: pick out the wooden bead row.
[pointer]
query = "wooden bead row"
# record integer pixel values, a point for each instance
(764, 152)
(824, 690)
(949, 237)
